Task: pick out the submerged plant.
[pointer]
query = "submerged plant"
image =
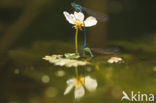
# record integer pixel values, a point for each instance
(79, 83)
(77, 19)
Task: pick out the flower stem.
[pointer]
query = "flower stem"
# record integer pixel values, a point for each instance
(76, 44)
(77, 72)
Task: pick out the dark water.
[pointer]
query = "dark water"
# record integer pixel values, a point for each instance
(32, 30)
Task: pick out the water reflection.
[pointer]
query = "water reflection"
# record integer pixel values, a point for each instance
(79, 83)
(48, 82)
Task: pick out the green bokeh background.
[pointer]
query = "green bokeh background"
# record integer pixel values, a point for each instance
(31, 29)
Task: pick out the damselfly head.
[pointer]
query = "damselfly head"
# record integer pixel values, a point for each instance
(73, 4)
(76, 7)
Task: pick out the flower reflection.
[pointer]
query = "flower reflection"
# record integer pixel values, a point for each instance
(89, 83)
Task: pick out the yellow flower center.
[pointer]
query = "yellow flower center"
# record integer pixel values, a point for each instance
(78, 25)
(80, 81)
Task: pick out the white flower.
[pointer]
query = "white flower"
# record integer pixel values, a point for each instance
(77, 19)
(114, 60)
(79, 84)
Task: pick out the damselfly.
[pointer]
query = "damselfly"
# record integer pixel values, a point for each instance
(97, 15)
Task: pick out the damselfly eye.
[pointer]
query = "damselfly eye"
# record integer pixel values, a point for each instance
(72, 4)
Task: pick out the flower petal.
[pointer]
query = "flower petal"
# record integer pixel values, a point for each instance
(79, 16)
(69, 18)
(68, 89)
(79, 92)
(70, 81)
(90, 21)
(90, 84)
(73, 17)
(70, 86)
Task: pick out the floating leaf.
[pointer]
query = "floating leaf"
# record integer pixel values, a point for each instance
(61, 61)
(72, 55)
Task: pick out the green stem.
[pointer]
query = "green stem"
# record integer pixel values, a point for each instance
(76, 72)
(76, 44)
(76, 50)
